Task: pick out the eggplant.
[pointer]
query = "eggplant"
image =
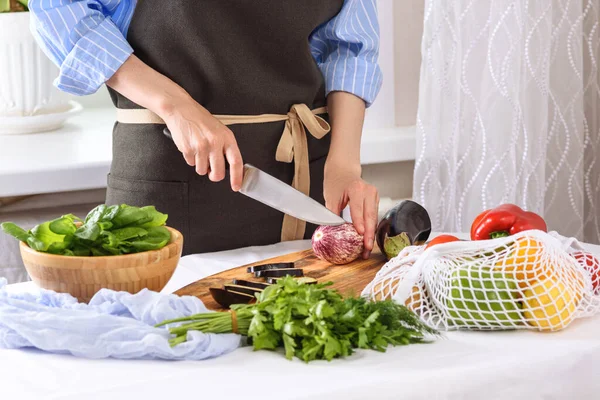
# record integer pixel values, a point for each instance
(303, 279)
(257, 285)
(279, 272)
(265, 267)
(226, 298)
(241, 289)
(406, 224)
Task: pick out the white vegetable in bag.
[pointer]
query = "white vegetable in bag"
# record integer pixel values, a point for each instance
(530, 280)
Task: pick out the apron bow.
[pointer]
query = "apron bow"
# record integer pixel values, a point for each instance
(293, 146)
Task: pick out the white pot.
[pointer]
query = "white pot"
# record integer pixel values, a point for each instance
(26, 73)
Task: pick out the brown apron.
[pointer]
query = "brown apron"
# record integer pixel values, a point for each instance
(239, 59)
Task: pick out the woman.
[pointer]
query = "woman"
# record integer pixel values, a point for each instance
(207, 69)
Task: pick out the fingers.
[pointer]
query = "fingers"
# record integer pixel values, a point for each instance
(202, 164)
(357, 211)
(236, 166)
(217, 165)
(371, 207)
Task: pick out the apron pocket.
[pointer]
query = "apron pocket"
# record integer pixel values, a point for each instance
(170, 198)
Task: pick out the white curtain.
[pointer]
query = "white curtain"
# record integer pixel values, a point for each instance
(508, 112)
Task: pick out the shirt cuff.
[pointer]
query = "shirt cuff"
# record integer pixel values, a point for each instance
(93, 60)
(353, 75)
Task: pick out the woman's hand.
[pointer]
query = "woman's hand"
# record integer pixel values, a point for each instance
(202, 139)
(343, 186)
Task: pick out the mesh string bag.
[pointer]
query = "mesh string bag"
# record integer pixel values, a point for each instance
(531, 280)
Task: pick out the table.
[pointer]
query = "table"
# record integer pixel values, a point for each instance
(462, 365)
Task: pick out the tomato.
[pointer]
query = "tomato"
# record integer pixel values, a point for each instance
(591, 265)
(442, 239)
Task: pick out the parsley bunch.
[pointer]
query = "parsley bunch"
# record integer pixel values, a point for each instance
(310, 322)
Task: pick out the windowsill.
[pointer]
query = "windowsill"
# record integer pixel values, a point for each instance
(78, 156)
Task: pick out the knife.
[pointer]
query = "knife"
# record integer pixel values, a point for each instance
(276, 194)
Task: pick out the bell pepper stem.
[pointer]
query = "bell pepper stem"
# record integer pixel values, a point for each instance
(500, 234)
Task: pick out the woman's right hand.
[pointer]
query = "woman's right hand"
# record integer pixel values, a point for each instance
(202, 139)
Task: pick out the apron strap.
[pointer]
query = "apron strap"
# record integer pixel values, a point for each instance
(292, 147)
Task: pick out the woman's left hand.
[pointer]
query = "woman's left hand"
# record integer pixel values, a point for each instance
(344, 186)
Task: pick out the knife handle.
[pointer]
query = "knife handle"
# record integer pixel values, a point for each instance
(167, 133)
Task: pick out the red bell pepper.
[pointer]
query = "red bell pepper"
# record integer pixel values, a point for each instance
(505, 220)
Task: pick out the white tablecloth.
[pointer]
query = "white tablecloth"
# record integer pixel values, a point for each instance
(462, 365)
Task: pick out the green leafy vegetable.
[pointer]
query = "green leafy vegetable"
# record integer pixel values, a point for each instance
(158, 219)
(156, 238)
(63, 225)
(311, 322)
(46, 237)
(13, 230)
(130, 216)
(106, 230)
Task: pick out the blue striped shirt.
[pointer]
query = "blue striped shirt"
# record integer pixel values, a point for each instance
(87, 40)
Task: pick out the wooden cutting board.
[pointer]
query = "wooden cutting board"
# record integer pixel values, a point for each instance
(349, 279)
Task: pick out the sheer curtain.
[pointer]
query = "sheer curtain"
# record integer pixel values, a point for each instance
(508, 112)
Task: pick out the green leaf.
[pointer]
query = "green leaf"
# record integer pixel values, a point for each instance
(289, 345)
(332, 349)
(36, 244)
(95, 214)
(63, 226)
(60, 247)
(81, 251)
(158, 218)
(130, 232)
(105, 225)
(89, 231)
(99, 252)
(130, 215)
(45, 237)
(156, 238)
(110, 213)
(15, 231)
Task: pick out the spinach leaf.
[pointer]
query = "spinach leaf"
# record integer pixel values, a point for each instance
(81, 251)
(46, 237)
(63, 226)
(110, 213)
(131, 232)
(15, 231)
(156, 238)
(89, 231)
(60, 247)
(95, 214)
(129, 215)
(158, 218)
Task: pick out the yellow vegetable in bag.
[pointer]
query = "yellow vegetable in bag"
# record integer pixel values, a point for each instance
(549, 304)
(523, 262)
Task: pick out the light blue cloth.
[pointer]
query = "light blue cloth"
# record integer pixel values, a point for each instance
(87, 39)
(113, 324)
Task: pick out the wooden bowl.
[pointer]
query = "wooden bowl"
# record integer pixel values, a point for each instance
(82, 277)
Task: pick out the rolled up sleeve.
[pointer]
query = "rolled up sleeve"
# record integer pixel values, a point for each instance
(346, 48)
(83, 39)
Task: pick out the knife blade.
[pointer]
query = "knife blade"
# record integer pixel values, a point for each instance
(275, 193)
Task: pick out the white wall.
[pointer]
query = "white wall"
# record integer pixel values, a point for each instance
(395, 179)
